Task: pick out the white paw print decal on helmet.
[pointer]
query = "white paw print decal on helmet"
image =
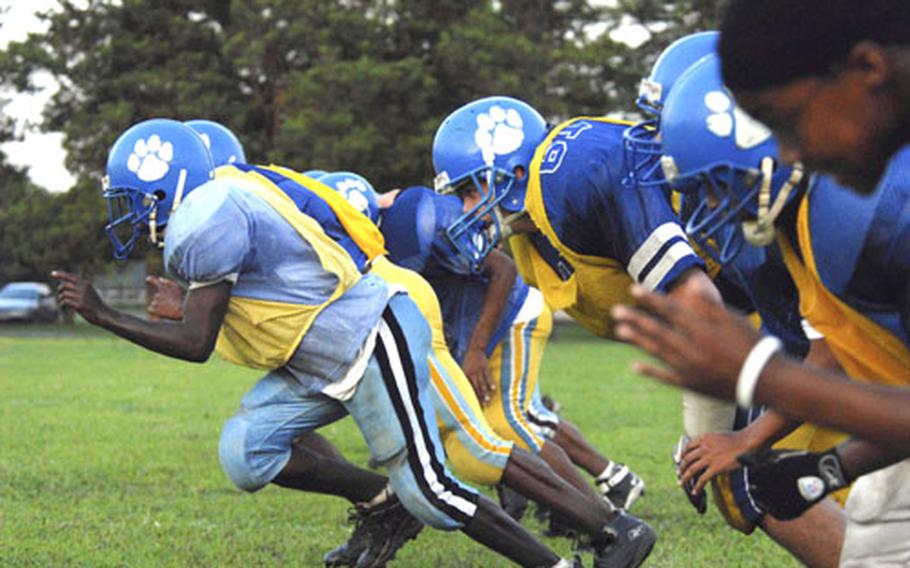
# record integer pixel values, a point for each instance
(151, 158)
(499, 132)
(353, 190)
(726, 119)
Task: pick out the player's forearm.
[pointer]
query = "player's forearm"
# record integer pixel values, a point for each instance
(873, 412)
(502, 275)
(860, 457)
(174, 339)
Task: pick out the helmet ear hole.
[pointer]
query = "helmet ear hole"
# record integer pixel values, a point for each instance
(159, 194)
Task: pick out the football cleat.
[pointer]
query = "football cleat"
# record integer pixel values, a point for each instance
(513, 503)
(379, 532)
(620, 486)
(395, 527)
(700, 500)
(628, 541)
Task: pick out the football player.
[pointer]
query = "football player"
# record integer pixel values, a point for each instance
(752, 280)
(476, 453)
(270, 290)
(496, 326)
(846, 255)
(464, 426)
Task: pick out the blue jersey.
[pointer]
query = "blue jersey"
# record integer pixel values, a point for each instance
(415, 232)
(592, 211)
(758, 280)
(861, 245)
(225, 232)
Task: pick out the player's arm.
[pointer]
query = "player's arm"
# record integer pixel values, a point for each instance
(501, 272)
(786, 483)
(192, 338)
(704, 346)
(713, 454)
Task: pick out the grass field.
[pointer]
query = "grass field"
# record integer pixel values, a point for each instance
(109, 458)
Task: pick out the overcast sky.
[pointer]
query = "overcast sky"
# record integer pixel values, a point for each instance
(43, 152)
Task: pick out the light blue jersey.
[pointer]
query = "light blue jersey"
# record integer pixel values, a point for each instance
(224, 232)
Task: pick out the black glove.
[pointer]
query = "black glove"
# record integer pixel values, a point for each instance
(784, 483)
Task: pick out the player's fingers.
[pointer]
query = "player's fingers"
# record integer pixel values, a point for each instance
(705, 478)
(480, 387)
(691, 455)
(662, 374)
(64, 276)
(657, 303)
(488, 377)
(694, 471)
(695, 444)
(649, 341)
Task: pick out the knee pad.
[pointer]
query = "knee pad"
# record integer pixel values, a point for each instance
(247, 466)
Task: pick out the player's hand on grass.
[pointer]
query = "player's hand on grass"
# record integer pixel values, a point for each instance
(785, 483)
(78, 294)
(477, 368)
(167, 298)
(703, 343)
(711, 455)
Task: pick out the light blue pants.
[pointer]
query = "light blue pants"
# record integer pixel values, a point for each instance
(392, 408)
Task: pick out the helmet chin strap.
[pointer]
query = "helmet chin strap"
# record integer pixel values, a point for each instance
(761, 232)
(153, 225)
(154, 235)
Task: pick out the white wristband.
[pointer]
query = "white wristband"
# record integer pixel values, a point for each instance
(752, 367)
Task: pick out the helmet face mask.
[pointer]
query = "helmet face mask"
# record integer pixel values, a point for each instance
(641, 144)
(712, 205)
(128, 214)
(641, 153)
(150, 169)
(477, 232)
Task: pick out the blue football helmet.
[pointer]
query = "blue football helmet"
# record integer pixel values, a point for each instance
(150, 169)
(640, 142)
(724, 163)
(480, 146)
(357, 190)
(315, 174)
(222, 143)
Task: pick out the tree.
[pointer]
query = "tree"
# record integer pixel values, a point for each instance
(357, 84)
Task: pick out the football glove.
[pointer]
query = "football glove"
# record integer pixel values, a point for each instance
(785, 483)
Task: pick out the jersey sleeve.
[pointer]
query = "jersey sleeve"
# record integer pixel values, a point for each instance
(647, 237)
(208, 240)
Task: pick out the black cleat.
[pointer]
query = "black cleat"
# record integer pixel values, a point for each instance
(395, 527)
(620, 486)
(700, 500)
(381, 528)
(513, 503)
(628, 541)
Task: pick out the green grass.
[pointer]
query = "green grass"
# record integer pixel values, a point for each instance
(109, 458)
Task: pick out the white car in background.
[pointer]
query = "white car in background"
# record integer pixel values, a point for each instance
(28, 301)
